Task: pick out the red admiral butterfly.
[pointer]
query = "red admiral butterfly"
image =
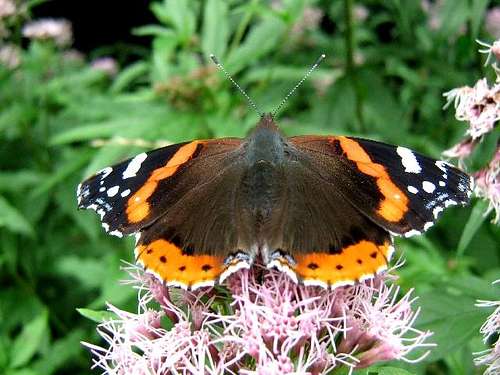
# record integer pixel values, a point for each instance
(321, 208)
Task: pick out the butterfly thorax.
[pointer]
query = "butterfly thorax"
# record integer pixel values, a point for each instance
(261, 185)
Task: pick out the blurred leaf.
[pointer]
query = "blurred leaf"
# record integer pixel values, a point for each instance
(261, 39)
(478, 9)
(476, 218)
(90, 131)
(453, 15)
(13, 220)
(27, 343)
(96, 316)
(215, 31)
(453, 318)
(128, 75)
(20, 180)
(60, 352)
(61, 174)
(391, 371)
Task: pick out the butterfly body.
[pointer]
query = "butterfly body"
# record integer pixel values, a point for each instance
(321, 208)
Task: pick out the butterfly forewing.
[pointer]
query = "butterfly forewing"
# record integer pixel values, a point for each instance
(133, 194)
(401, 190)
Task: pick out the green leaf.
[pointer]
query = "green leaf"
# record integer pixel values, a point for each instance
(26, 345)
(62, 173)
(13, 220)
(215, 32)
(392, 371)
(476, 219)
(478, 8)
(19, 180)
(60, 352)
(453, 318)
(262, 39)
(128, 75)
(96, 316)
(90, 131)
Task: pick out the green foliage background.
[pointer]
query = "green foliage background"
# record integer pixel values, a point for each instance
(61, 121)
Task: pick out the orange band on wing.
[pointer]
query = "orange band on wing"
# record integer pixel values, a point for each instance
(137, 206)
(354, 263)
(395, 203)
(167, 261)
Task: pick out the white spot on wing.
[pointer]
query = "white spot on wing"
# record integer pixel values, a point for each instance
(124, 193)
(105, 172)
(112, 191)
(283, 268)
(342, 283)
(412, 189)
(428, 225)
(203, 284)
(390, 252)
(105, 226)
(232, 269)
(428, 187)
(102, 189)
(412, 233)
(116, 233)
(311, 282)
(134, 166)
(409, 160)
(442, 183)
(437, 211)
(450, 202)
(441, 165)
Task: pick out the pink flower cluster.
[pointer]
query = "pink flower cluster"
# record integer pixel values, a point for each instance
(490, 329)
(479, 106)
(263, 323)
(58, 30)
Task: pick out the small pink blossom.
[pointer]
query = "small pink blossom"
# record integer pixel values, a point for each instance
(7, 8)
(490, 328)
(10, 56)
(433, 9)
(478, 105)
(492, 51)
(492, 23)
(461, 151)
(270, 325)
(106, 65)
(360, 13)
(487, 185)
(58, 30)
(310, 20)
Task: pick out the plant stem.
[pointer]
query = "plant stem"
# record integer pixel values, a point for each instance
(350, 68)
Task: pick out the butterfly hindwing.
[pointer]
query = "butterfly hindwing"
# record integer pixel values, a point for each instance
(401, 190)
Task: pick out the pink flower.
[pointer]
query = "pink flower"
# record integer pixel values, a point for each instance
(7, 8)
(490, 328)
(310, 20)
(360, 13)
(492, 23)
(487, 185)
(478, 105)
(491, 50)
(106, 65)
(10, 56)
(270, 325)
(58, 30)
(461, 151)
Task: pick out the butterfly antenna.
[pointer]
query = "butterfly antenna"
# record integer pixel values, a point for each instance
(316, 64)
(250, 101)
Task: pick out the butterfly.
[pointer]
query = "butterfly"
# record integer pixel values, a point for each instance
(323, 209)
